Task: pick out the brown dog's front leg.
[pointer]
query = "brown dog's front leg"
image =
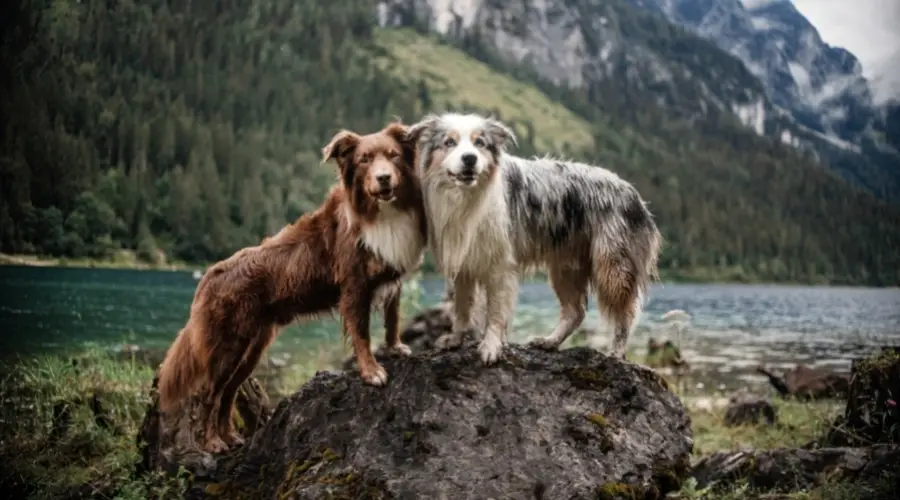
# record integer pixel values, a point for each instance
(355, 307)
(395, 346)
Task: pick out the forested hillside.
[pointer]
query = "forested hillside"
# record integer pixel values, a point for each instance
(194, 128)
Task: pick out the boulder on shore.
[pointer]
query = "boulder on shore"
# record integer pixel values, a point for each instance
(872, 414)
(572, 424)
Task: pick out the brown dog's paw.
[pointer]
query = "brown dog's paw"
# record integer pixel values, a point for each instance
(215, 445)
(376, 375)
(234, 439)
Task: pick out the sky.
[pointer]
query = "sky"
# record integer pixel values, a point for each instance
(867, 28)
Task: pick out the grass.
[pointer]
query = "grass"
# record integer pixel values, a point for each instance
(53, 445)
(798, 424)
(453, 77)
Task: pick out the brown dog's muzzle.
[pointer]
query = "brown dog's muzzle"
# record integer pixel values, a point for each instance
(383, 180)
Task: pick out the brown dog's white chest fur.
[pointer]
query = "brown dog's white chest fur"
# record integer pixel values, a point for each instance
(395, 238)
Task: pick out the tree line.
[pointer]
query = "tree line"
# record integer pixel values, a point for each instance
(191, 129)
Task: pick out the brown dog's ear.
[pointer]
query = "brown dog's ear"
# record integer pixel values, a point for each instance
(341, 144)
(398, 131)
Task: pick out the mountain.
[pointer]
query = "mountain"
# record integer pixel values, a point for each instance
(822, 87)
(192, 129)
(579, 43)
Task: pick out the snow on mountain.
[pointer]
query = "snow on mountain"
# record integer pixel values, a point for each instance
(822, 86)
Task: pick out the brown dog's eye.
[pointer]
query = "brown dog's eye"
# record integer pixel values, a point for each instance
(479, 142)
(364, 159)
(449, 142)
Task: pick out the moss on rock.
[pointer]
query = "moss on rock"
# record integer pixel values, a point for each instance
(618, 491)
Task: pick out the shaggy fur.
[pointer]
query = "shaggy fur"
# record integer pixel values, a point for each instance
(350, 254)
(492, 215)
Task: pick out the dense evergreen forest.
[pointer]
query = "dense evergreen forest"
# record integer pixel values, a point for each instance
(187, 129)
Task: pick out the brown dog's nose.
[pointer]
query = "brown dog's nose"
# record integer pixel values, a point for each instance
(383, 179)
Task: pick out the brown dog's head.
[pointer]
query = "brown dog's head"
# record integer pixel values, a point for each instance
(375, 168)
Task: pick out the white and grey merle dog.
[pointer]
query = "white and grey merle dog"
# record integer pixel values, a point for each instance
(492, 215)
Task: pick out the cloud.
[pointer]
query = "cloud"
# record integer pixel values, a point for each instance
(886, 80)
(867, 28)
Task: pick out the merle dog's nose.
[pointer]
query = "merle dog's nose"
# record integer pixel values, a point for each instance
(383, 179)
(469, 159)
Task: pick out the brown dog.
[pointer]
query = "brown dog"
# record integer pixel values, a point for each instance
(350, 254)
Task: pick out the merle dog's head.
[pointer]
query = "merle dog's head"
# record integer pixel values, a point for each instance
(462, 148)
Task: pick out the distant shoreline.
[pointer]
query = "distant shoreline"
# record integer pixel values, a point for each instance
(126, 260)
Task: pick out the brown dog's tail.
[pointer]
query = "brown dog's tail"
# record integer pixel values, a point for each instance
(180, 372)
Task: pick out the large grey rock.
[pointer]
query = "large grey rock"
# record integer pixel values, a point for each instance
(567, 425)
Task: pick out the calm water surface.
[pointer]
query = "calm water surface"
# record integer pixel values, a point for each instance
(733, 327)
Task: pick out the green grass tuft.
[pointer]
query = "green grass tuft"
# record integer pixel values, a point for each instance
(452, 77)
(56, 442)
(798, 424)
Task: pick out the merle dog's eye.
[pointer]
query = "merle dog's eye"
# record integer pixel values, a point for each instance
(449, 142)
(479, 142)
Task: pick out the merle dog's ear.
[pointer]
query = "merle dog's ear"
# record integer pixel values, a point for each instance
(400, 133)
(422, 130)
(500, 134)
(340, 145)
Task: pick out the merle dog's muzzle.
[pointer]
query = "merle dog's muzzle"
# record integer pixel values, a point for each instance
(467, 173)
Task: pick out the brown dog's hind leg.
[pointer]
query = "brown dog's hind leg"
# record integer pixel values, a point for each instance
(254, 352)
(222, 362)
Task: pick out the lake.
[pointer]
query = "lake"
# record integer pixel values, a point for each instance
(733, 327)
